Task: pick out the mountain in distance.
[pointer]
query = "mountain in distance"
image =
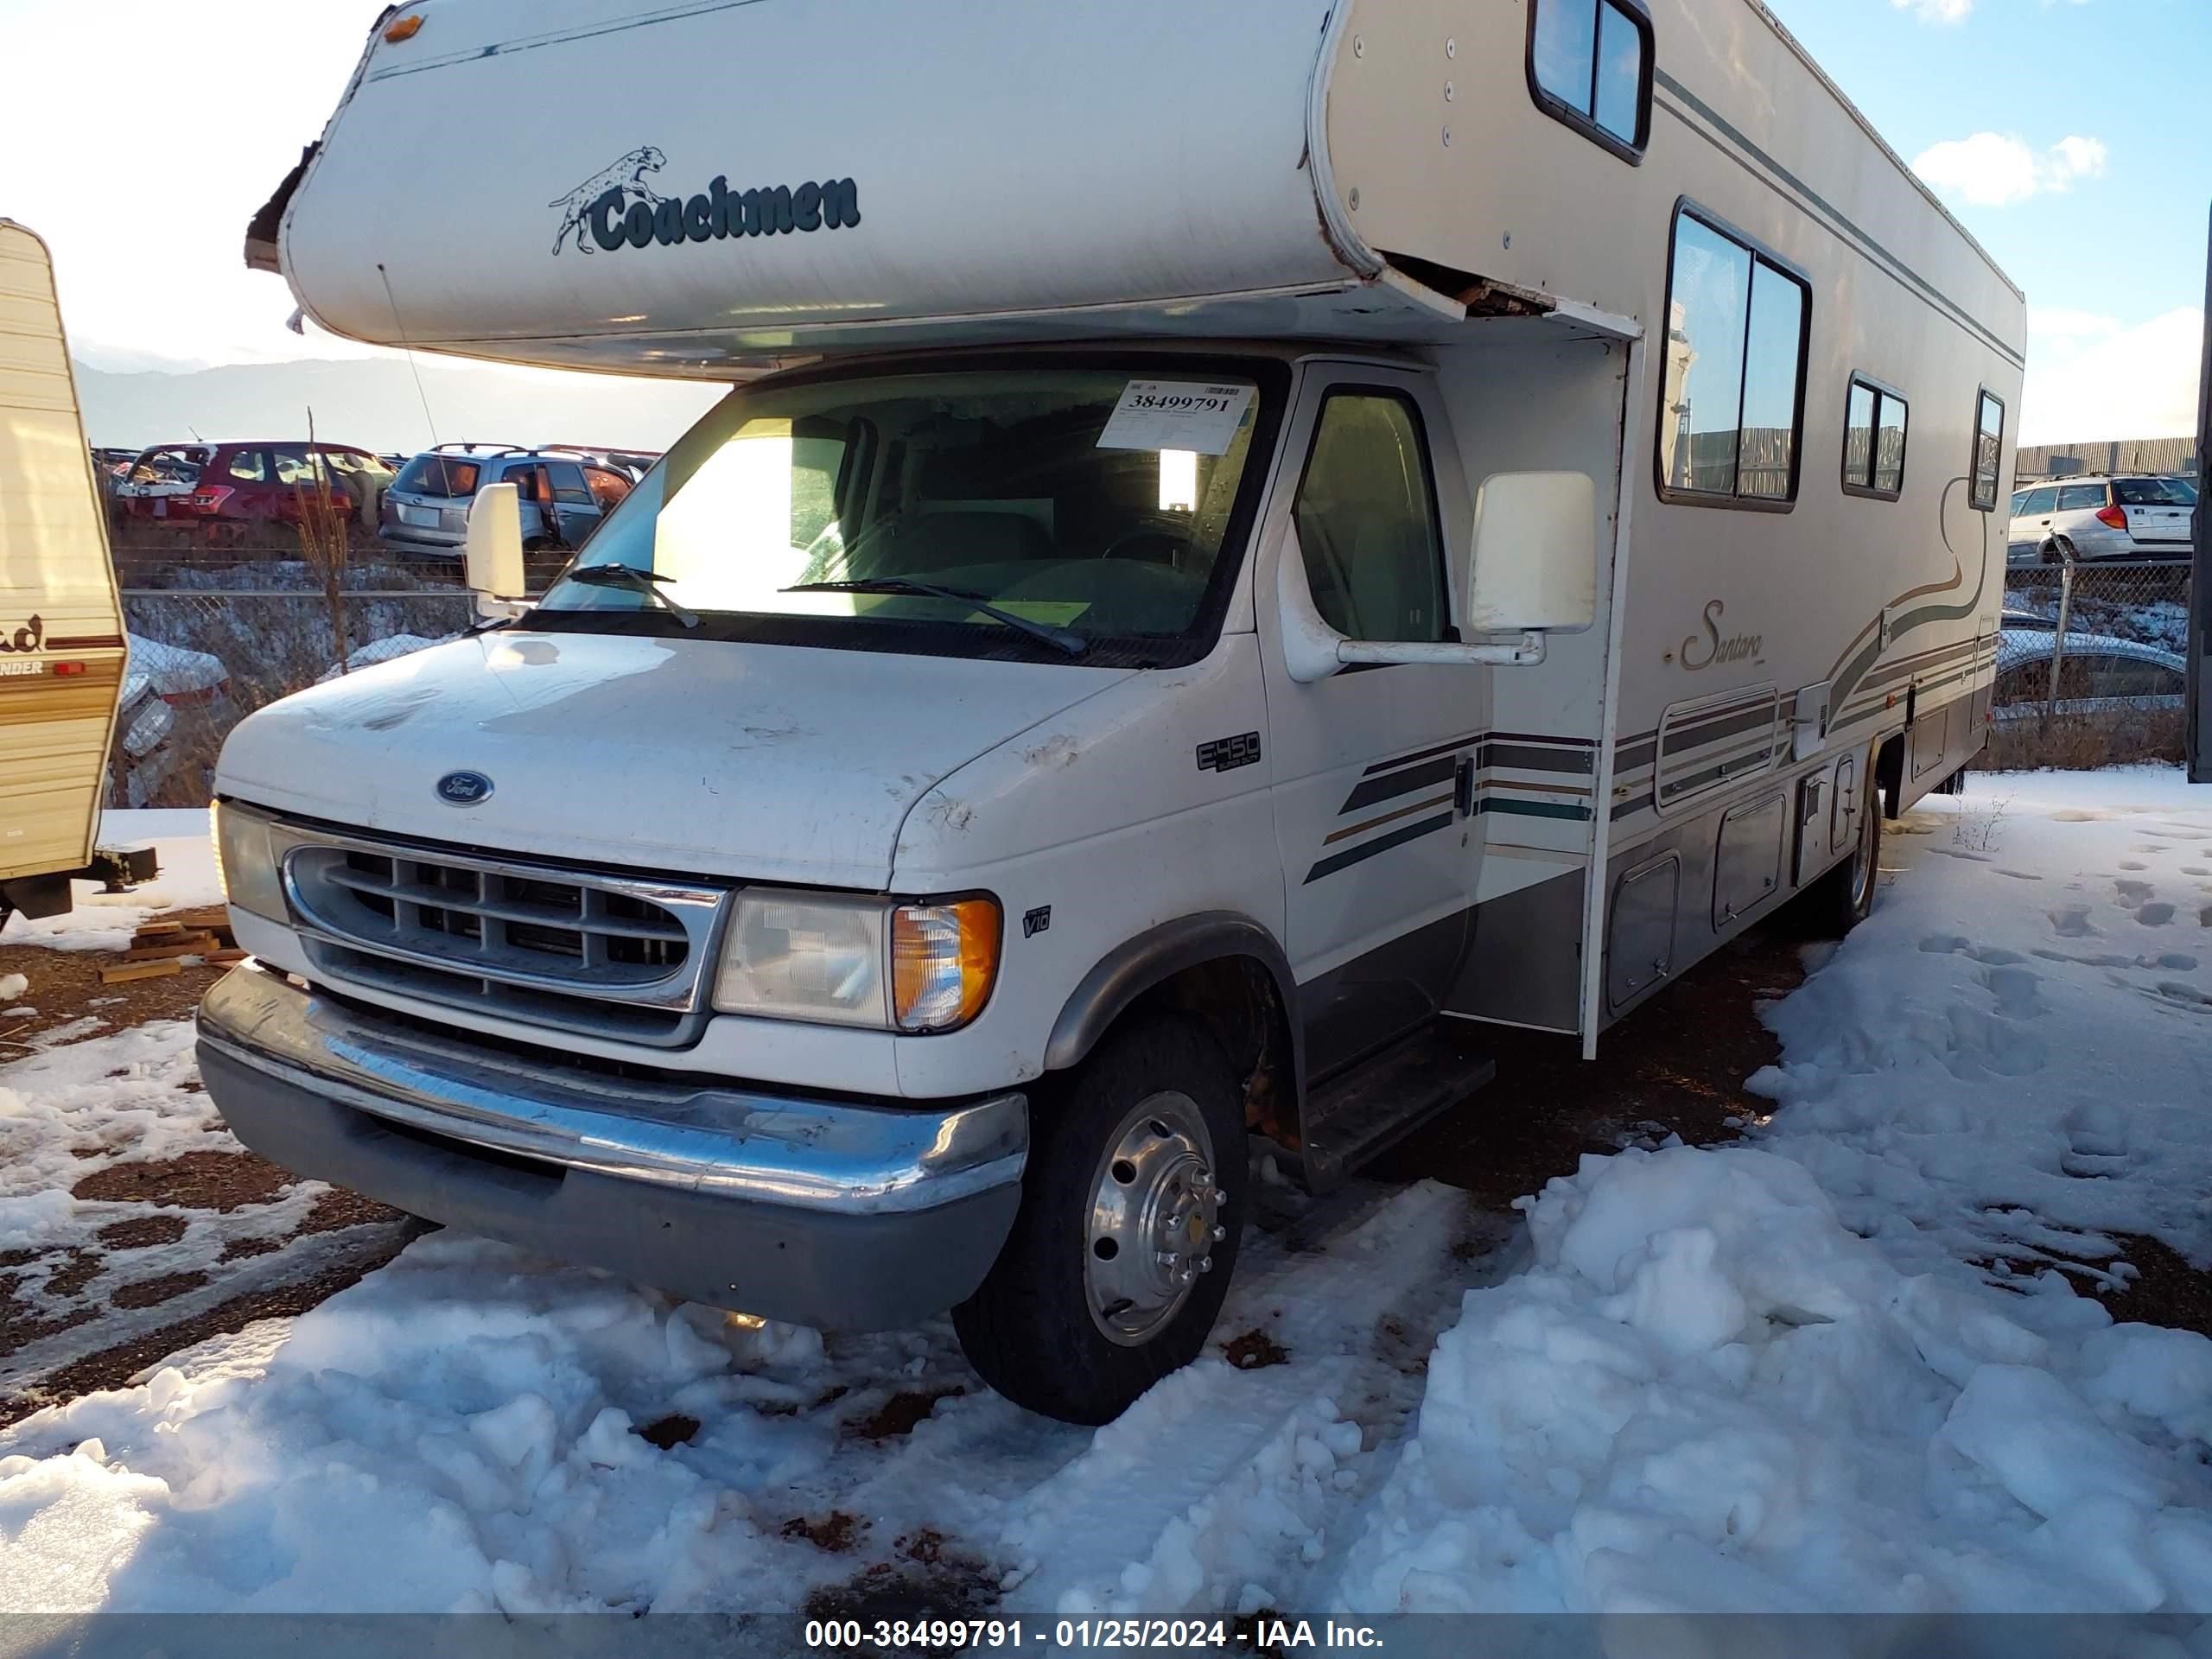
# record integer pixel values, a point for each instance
(372, 403)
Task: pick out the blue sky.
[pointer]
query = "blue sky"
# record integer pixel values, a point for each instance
(2067, 134)
(2068, 137)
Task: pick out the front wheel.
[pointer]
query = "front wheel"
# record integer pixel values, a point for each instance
(1132, 1209)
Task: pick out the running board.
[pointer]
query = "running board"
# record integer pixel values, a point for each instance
(1365, 1111)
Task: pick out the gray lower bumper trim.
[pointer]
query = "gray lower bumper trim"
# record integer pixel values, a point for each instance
(740, 1144)
(856, 1217)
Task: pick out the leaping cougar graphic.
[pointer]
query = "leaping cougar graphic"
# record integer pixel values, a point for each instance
(628, 173)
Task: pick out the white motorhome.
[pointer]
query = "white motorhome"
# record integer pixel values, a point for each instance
(62, 644)
(1247, 536)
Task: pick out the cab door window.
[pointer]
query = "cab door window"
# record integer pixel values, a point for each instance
(1367, 521)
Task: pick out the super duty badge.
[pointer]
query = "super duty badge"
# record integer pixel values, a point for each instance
(1227, 753)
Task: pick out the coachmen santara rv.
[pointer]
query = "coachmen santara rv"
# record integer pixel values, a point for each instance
(1248, 541)
(62, 643)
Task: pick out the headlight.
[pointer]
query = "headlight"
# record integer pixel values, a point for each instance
(245, 862)
(860, 962)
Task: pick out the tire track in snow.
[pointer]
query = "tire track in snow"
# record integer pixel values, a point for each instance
(1224, 1489)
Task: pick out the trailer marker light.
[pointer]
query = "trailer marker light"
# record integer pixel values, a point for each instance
(405, 29)
(69, 668)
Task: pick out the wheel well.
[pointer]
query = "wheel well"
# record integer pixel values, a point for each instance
(1237, 1000)
(1889, 775)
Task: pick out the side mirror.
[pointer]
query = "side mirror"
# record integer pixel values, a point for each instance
(1535, 565)
(495, 544)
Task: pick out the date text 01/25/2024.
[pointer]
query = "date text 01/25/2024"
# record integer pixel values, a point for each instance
(1129, 1635)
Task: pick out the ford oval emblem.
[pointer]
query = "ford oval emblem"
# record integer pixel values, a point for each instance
(464, 789)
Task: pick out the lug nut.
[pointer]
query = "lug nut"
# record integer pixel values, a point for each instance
(1167, 1259)
(1205, 1264)
(1220, 1232)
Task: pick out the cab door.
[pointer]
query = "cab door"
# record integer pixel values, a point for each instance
(1374, 766)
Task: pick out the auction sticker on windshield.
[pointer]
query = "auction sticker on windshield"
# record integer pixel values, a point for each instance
(1177, 415)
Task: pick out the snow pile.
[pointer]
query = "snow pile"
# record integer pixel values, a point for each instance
(1707, 1393)
(105, 921)
(1863, 1367)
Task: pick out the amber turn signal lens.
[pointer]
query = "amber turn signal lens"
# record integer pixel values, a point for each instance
(403, 30)
(944, 958)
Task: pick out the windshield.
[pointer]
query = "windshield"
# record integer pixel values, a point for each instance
(1100, 502)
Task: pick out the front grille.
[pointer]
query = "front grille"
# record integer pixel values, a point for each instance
(608, 955)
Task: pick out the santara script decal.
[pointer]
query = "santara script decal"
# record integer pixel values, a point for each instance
(1733, 648)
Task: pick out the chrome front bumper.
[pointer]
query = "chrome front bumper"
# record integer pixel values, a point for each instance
(857, 1216)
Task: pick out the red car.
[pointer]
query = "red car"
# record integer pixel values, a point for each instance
(239, 483)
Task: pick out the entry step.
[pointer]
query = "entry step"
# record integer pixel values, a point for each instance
(1361, 1113)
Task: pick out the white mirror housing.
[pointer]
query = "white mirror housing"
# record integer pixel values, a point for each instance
(1535, 565)
(494, 546)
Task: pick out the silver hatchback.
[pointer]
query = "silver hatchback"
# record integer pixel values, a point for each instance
(2122, 517)
(564, 494)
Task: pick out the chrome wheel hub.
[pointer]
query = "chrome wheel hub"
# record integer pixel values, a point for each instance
(1155, 1217)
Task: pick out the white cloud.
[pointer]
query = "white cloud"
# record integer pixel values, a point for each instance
(1936, 11)
(2055, 323)
(2131, 383)
(1995, 169)
(2074, 157)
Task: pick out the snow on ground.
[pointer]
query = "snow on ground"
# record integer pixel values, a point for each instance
(105, 921)
(1856, 1363)
(1859, 1365)
(477, 1411)
(74, 1112)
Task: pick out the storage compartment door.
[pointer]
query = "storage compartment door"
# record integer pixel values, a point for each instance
(1639, 945)
(1747, 868)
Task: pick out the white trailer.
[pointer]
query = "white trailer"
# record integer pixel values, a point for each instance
(1248, 537)
(62, 644)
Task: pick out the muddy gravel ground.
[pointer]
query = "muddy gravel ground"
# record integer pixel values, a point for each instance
(179, 1248)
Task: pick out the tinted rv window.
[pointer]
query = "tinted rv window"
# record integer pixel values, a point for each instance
(1590, 64)
(1732, 390)
(1988, 451)
(1873, 441)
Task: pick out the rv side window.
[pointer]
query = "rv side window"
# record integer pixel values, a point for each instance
(1733, 393)
(1590, 64)
(1367, 522)
(1873, 441)
(1988, 451)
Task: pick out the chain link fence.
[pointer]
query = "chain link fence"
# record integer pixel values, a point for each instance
(216, 632)
(2092, 667)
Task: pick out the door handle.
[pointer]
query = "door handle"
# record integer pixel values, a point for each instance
(1462, 786)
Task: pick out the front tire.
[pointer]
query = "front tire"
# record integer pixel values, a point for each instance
(1132, 1209)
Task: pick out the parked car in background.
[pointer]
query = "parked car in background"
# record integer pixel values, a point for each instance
(2097, 675)
(172, 695)
(564, 492)
(159, 474)
(2134, 516)
(232, 486)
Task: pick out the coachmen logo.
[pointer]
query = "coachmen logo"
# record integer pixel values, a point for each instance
(615, 207)
(30, 636)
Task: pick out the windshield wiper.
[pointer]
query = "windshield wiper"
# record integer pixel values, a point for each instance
(641, 582)
(1060, 639)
